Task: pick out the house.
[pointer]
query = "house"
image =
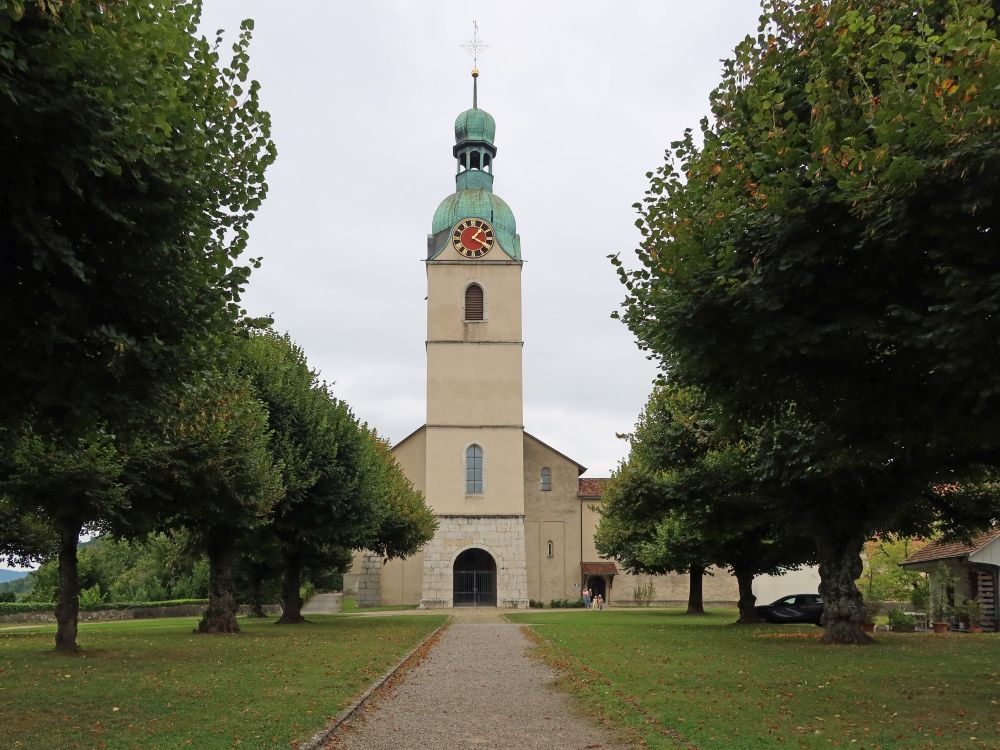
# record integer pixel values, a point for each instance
(975, 566)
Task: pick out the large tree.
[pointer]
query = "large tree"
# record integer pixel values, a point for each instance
(825, 263)
(213, 469)
(133, 164)
(342, 489)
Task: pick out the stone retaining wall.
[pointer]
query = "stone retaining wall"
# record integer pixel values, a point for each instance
(134, 613)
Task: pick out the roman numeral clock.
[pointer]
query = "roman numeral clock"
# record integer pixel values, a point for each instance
(472, 238)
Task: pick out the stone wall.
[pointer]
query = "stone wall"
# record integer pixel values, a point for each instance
(133, 613)
(501, 536)
(369, 579)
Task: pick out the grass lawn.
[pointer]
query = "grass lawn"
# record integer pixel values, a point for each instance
(153, 684)
(675, 681)
(350, 604)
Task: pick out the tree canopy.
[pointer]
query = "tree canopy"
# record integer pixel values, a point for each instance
(134, 163)
(825, 264)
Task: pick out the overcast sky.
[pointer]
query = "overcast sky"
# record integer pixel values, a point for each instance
(363, 97)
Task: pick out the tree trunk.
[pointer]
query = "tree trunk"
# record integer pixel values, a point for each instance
(256, 592)
(220, 617)
(68, 594)
(843, 607)
(291, 602)
(744, 580)
(696, 602)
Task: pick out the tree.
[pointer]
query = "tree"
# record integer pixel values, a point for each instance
(133, 167)
(824, 265)
(688, 495)
(883, 577)
(341, 487)
(74, 486)
(638, 530)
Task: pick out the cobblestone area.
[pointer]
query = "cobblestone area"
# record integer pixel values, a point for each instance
(477, 688)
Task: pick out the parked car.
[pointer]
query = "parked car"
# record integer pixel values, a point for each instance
(794, 608)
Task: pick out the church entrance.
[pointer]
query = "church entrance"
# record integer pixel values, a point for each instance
(597, 585)
(475, 579)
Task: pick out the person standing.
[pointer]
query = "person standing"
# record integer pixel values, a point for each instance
(586, 598)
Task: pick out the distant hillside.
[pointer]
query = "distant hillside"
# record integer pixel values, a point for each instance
(12, 575)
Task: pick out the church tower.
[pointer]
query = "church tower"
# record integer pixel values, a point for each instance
(474, 470)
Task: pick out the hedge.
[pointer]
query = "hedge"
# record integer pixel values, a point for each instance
(8, 608)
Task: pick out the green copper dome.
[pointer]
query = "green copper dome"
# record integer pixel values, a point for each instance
(481, 204)
(474, 153)
(475, 125)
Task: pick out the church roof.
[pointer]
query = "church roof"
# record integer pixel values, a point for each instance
(942, 550)
(592, 487)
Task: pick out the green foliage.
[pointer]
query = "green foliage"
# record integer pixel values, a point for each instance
(942, 590)
(899, 619)
(920, 596)
(535, 604)
(157, 567)
(822, 261)
(566, 604)
(7, 597)
(971, 611)
(688, 495)
(883, 578)
(91, 597)
(134, 166)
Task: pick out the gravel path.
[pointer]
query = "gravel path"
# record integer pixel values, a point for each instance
(477, 688)
(323, 604)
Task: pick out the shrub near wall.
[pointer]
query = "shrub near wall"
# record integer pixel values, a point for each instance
(13, 608)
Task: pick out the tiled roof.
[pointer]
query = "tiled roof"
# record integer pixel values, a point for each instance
(592, 487)
(599, 568)
(941, 550)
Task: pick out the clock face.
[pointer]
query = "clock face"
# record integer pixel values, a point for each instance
(472, 238)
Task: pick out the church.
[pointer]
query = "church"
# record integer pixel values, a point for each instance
(515, 519)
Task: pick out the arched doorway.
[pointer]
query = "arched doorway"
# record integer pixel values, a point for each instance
(597, 585)
(475, 579)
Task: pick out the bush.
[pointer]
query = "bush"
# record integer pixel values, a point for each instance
(8, 596)
(899, 619)
(566, 604)
(535, 604)
(643, 593)
(19, 607)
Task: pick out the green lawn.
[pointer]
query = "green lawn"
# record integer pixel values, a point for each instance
(153, 684)
(679, 682)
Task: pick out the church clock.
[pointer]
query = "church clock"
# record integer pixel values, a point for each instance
(472, 238)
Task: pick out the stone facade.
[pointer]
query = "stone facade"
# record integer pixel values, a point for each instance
(501, 536)
(368, 580)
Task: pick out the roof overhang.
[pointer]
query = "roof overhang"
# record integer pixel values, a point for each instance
(603, 568)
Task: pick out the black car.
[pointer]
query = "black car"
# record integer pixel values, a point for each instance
(794, 608)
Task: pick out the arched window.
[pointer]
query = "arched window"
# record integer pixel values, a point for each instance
(550, 548)
(473, 302)
(474, 160)
(474, 470)
(461, 162)
(546, 479)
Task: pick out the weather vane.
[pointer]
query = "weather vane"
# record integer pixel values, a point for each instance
(475, 45)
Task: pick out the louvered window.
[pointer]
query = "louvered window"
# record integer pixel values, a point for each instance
(546, 481)
(474, 302)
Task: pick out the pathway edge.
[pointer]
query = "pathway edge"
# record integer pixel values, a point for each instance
(322, 736)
